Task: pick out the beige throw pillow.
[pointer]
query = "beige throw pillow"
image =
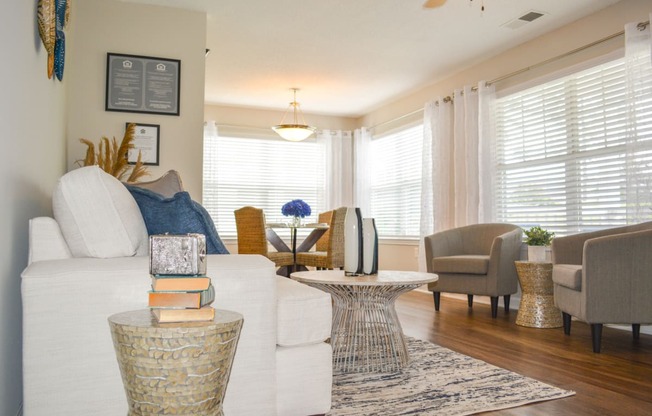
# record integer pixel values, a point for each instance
(167, 185)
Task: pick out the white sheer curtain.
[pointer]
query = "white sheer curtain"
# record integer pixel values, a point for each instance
(437, 167)
(339, 166)
(361, 183)
(473, 154)
(486, 152)
(210, 136)
(210, 129)
(458, 163)
(638, 72)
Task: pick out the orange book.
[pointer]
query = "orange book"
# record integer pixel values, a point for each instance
(184, 315)
(179, 284)
(182, 299)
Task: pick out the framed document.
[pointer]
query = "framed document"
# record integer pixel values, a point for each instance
(146, 141)
(142, 84)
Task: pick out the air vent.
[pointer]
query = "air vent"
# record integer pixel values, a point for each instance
(523, 20)
(528, 17)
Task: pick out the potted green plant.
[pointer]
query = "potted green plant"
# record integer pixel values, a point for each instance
(537, 240)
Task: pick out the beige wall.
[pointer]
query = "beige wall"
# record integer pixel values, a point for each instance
(32, 127)
(103, 26)
(250, 117)
(582, 32)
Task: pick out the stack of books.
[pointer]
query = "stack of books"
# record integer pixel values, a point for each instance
(179, 298)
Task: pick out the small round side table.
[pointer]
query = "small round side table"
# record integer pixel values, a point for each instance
(175, 368)
(537, 307)
(366, 335)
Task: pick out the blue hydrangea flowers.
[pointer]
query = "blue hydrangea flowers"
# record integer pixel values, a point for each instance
(296, 208)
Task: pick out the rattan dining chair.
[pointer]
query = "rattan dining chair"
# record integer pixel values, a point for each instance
(332, 257)
(324, 218)
(250, 225)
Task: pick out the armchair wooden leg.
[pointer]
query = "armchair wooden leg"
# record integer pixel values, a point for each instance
(636, 331)
(506, 302)
(437, 297)
(494, 306)
(567, 322)
(596, 336)
(470, 300)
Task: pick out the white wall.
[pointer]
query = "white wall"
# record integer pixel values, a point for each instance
(32, 127)
(584, 31)
(114, 26)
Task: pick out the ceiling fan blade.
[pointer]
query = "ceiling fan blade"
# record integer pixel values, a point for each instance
(431, 4)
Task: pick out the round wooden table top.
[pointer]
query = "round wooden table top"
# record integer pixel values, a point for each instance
(383, 278)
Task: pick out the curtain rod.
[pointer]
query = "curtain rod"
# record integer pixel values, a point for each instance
(266, 129)
(641, 26)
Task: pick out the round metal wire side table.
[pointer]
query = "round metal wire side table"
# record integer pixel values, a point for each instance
(366, 335)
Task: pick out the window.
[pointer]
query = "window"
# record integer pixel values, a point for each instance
(395, 179)
(261, 172)
(562, 151)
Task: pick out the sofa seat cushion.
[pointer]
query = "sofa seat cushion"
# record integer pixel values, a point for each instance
(465, 264)
(568, 275)
(98, 217)
(304, 313)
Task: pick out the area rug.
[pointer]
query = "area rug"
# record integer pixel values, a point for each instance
(437, 381)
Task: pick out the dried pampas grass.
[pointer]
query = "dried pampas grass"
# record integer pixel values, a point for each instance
(112, 158)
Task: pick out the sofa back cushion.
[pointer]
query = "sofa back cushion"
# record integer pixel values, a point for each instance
(98, 216)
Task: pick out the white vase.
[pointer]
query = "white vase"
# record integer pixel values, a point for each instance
(536, 254)
(370, 246)
(353, 242)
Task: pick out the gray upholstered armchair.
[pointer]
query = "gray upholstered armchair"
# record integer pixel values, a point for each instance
(604, 277)
(475, 260)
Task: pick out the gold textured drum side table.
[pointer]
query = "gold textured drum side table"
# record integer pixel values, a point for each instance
(537, 308)
(177, 368)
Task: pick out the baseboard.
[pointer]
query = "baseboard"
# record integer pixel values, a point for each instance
(515, 300)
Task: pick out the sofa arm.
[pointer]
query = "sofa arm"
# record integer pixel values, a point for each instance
(66, 304)
(616, 284)
(247, 284)
(505, 250)
(46, 241)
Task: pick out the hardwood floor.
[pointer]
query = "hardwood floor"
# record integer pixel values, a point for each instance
(617, 381)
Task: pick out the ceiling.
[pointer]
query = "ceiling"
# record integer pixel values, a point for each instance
(349, 57)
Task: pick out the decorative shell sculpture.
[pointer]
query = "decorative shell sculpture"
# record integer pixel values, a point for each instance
(52, 17)
(112, 158)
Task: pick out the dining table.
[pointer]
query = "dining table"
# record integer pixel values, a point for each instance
(316, 231)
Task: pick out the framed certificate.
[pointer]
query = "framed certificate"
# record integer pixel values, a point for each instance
(146, 141)
(142, 84)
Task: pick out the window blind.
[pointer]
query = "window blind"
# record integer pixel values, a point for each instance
(562, 151)
(261, 172)
(395, 179)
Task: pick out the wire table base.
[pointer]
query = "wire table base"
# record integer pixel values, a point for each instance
(366, 335)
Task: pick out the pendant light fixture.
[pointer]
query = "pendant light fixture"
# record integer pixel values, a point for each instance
(298, 130)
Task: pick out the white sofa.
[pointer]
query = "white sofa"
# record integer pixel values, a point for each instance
(78, 276)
